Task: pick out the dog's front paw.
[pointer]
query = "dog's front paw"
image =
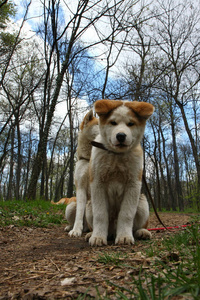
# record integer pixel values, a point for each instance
(124, 240)
(75, 233)
(143, 234)
(97, 241)
(68, 228)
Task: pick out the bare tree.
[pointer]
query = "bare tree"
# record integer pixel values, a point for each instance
(87, 15)
(177, 25)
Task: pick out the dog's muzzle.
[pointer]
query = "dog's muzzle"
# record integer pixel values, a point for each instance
(121, 137)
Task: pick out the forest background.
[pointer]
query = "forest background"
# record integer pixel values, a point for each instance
(57, 57)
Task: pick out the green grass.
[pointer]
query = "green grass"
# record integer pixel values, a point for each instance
(113, 258)
(37, 213)
(174, 273)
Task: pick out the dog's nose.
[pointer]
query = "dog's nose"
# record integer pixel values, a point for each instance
(121, 137)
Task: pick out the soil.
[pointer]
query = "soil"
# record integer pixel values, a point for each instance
(45, 263)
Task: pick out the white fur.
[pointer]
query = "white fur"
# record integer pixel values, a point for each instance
(115, 181)
(108, 133)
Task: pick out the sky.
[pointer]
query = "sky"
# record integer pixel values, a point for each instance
(90, 36)
(35, 15)
(29, 34)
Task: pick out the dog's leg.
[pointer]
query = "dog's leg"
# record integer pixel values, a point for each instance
(126, 216)
(89, 215)
(81, 199)
(70, 213)
(100, 217)
(141, 219)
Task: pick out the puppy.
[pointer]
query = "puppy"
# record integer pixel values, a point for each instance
(70, 215)
(75, 211)
(64, 201)
(116, 173)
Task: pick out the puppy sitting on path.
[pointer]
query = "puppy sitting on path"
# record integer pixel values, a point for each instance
(116, 168)
(75, 211)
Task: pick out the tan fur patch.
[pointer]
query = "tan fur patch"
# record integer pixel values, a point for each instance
(72, 199)
(103, 119)
(138, 150)
(146, 224)
(103, 107)
(64, 201)
(91, 175)
(143, 109)
(94, 121)
(136, 119)
(82, 124)
(140, 175)
(90, 228)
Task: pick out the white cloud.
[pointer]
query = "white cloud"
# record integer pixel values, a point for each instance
(35, 17)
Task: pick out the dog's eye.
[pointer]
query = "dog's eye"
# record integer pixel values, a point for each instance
(130, 124)
(113, 123)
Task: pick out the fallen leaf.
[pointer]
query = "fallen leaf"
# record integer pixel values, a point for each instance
(68, 281)
(15, 218)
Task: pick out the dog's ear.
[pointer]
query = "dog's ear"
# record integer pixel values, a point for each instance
(88, 117)
(143, 109)
(103, 107)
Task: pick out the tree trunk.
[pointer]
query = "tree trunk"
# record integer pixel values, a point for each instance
(19, 158)
(172, 201)
(158, 189)
(71, 160)
(28, 166)
(59, 185)
(10, 183)
(176, 164)
(42, 146)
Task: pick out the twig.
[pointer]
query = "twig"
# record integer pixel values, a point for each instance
(55, 265)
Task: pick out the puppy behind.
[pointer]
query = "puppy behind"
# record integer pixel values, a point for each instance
(116, 174)
(75, 211)
(64, 201)
(70, 215)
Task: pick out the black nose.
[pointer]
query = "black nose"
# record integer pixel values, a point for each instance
(121, 137)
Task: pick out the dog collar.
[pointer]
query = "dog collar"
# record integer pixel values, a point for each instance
(99, 145)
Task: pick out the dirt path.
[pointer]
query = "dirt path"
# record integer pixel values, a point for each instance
(38, 263)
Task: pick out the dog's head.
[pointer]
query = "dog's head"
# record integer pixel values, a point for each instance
(122, 123)
(89, 126)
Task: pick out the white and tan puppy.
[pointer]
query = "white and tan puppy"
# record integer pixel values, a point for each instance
(64, 201)
(88, 131)
(116, 174)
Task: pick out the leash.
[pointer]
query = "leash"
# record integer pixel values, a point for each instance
(152, 201)
(101, 146)
(169, 228)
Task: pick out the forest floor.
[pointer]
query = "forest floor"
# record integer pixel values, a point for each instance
(45, 263)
